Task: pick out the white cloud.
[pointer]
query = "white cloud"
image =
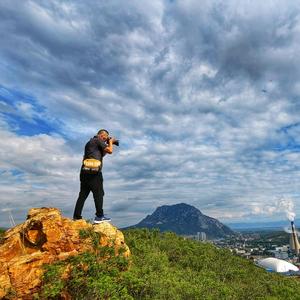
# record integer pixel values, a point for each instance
(202, 96)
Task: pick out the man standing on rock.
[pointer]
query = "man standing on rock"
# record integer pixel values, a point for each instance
(91, 173)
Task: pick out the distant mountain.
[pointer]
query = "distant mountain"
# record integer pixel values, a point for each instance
(184, 219)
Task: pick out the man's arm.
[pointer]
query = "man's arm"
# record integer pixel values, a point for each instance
(109, 149)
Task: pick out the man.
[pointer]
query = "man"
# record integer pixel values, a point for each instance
(91, 178)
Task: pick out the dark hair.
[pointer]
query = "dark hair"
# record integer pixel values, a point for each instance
(101, 130)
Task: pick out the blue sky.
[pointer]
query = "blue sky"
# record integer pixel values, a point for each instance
(204, 97)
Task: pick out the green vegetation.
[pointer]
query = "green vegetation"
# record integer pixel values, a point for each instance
(164, 266)
(274, 237)
(96, 275)
(1, 235)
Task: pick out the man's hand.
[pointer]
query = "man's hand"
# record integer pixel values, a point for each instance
(109, 149)
(112, 140)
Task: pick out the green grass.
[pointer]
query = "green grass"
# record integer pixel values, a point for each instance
(1, 234)
(165, 266)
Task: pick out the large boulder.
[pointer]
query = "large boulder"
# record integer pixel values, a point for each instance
(46, 237)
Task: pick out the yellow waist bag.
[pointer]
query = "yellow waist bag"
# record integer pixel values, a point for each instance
(91, 165)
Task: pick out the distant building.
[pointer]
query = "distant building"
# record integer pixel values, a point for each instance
(276, 265)
(240, 251)
(280, 252)
(281, 255)
(201, 236)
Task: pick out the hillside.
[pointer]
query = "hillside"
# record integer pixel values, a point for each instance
(184, 219)
(166, 266)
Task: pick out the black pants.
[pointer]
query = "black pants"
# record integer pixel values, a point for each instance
(88, 183)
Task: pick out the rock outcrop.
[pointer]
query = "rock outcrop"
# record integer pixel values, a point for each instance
(46, 237)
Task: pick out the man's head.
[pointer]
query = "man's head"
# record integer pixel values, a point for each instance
(103, 134)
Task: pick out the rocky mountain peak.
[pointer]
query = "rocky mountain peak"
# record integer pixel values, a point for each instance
(184, 219)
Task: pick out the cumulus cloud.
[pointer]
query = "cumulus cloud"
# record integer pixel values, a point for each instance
(203, 97)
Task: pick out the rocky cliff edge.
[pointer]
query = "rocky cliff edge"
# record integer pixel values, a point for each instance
(45, 237)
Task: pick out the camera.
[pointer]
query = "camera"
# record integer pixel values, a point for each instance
(116, 142)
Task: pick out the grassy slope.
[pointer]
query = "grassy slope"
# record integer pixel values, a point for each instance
(172, 268)
(165, 266)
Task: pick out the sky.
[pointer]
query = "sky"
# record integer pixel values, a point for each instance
(203, 96)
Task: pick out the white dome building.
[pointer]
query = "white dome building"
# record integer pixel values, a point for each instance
(277, 265)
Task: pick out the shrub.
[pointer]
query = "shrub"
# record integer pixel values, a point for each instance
(2, 231)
